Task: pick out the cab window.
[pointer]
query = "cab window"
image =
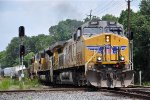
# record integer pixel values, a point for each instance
(92, 30)
(115, 30)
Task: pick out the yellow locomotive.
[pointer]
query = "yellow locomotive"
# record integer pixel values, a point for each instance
(97, 54)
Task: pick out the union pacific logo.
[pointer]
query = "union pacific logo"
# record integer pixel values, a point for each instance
(109, 49)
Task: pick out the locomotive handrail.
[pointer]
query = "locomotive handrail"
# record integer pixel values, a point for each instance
(131, 64)
(90, 60)
(51, 70)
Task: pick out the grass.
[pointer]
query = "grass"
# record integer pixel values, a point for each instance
(28, 83)
(4, 84)
(146, 84)
(10, 84)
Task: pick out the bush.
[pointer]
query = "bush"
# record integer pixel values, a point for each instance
(26, 83)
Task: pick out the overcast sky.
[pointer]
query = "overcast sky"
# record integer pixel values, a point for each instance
(38, 15)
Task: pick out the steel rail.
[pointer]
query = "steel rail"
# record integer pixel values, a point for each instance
(44, 90)
(130, 92)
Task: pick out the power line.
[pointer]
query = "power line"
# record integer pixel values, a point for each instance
(107, 7)
(103, 7)
(110, 7)
(117, 6)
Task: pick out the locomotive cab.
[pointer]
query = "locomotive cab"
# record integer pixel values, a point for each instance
(98, 27)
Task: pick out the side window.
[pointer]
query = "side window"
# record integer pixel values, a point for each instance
(78, 33)
(115, 30)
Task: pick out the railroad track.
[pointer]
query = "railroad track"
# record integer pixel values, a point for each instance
(45, 90)
(142, 93)
(131, 92)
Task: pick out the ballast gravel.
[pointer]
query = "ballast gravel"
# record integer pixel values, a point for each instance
(69, 95)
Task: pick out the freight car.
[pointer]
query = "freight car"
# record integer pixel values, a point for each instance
(97, 54)
(13, 71)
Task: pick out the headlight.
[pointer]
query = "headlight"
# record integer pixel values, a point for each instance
(122, 58)
(89, 66)
(99, 59)
(107, 38)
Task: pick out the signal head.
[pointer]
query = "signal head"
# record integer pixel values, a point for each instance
(21, 31)
(22, 50)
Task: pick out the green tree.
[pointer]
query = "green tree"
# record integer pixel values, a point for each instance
(12, 52)
(2, 58)
(86, 19)
(123, 18)
(109, 17)
(140, 24)
(64, 29)
(27, 58)
(145, 8)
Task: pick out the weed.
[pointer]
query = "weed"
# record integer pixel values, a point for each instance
(146, 84)
(26, 83)
(5, 84)
(29, 98)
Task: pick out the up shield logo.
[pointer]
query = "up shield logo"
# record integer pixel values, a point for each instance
(108, 49)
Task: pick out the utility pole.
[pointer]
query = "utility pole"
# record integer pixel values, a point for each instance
(130, 36)
(90, 15)
(129, 1)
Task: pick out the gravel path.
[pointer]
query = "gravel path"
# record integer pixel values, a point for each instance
(62, 96)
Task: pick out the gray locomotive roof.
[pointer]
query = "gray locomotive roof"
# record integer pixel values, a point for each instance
(101, 23)
(59, 43)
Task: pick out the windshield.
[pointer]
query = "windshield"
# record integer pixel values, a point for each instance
(92, 30)
(116, 30)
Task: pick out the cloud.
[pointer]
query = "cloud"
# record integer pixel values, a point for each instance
(65, 10)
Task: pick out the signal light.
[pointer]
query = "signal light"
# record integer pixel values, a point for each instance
(21, 31)
(22, 50)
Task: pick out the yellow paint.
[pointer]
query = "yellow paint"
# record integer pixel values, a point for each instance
(100, 40)
(36, 66)
(55, 59)
(43, 64)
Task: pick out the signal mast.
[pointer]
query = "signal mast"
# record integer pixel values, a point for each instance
(21, 47)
